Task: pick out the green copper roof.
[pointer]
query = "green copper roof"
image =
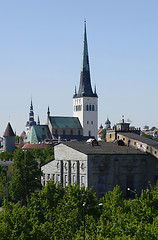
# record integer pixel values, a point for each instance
(38, 133)
(65, 122)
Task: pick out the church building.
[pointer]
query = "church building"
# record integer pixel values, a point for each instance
(83, 124)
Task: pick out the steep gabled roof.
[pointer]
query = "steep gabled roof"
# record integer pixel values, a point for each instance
(9, 131)
(65, 122)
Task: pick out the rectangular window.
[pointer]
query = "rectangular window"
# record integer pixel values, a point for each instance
(66, 181)
(87, 122)
(48, 177)
(110, 135)
(91, 122)
(58, 178)
(82, 180)
(74, 179)
(53, 177)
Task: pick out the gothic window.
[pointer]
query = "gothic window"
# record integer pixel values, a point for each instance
(89, 107)
(92, 107)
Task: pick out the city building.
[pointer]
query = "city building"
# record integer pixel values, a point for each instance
(101, 166)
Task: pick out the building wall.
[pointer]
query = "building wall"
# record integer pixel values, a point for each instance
(110, 135)
(102, 172)
(133, 171)
(9, 144)
(88, 119)
(69, 166)
(138, 145)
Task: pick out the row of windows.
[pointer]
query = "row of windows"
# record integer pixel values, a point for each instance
(71, 132)
(78, 108)
(89, 107)
(66, 179)
(89, 122)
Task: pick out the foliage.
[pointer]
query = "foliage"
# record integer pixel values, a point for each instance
(26, 176)
(3, 184)
(43, 155)
(6, 156)
(153, 128)
(17, 139)
(146, 135)
(58, 213)
(103, 134)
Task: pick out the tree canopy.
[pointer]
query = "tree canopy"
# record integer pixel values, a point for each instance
(58, 213)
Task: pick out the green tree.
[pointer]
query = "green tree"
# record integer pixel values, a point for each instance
(6, 156)
(153, 128)
(3, 185)
(26, 176)
(103, 134)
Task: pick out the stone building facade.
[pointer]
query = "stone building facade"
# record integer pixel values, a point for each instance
(101, 167)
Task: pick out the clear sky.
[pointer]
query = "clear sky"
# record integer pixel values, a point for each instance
(41, 50)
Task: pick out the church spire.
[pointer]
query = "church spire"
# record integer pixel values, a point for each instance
(31, 121)
(85, 88)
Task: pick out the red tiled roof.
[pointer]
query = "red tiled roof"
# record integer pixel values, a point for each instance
(23, 134)
(34, 145)
(100, 130)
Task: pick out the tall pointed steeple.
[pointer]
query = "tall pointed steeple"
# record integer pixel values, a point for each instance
(31, 121)
(85, 88)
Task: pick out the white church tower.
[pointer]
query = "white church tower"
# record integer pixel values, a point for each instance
(85, 101)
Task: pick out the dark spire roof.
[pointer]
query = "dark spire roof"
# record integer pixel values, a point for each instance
(48, 112)
(85, 88)
(31, 121)
(9, 131)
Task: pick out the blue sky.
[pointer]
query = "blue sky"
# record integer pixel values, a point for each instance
(41, 50)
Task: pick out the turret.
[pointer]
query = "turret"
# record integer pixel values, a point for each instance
(9, 139)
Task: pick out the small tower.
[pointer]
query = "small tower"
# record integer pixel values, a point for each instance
(107, 124)
(31, 121)
(85, 102)
(9, 139)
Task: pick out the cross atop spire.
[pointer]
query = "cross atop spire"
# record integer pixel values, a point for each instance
(85, 88)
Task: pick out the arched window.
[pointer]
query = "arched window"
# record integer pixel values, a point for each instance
(89, 107)
(92, 107)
